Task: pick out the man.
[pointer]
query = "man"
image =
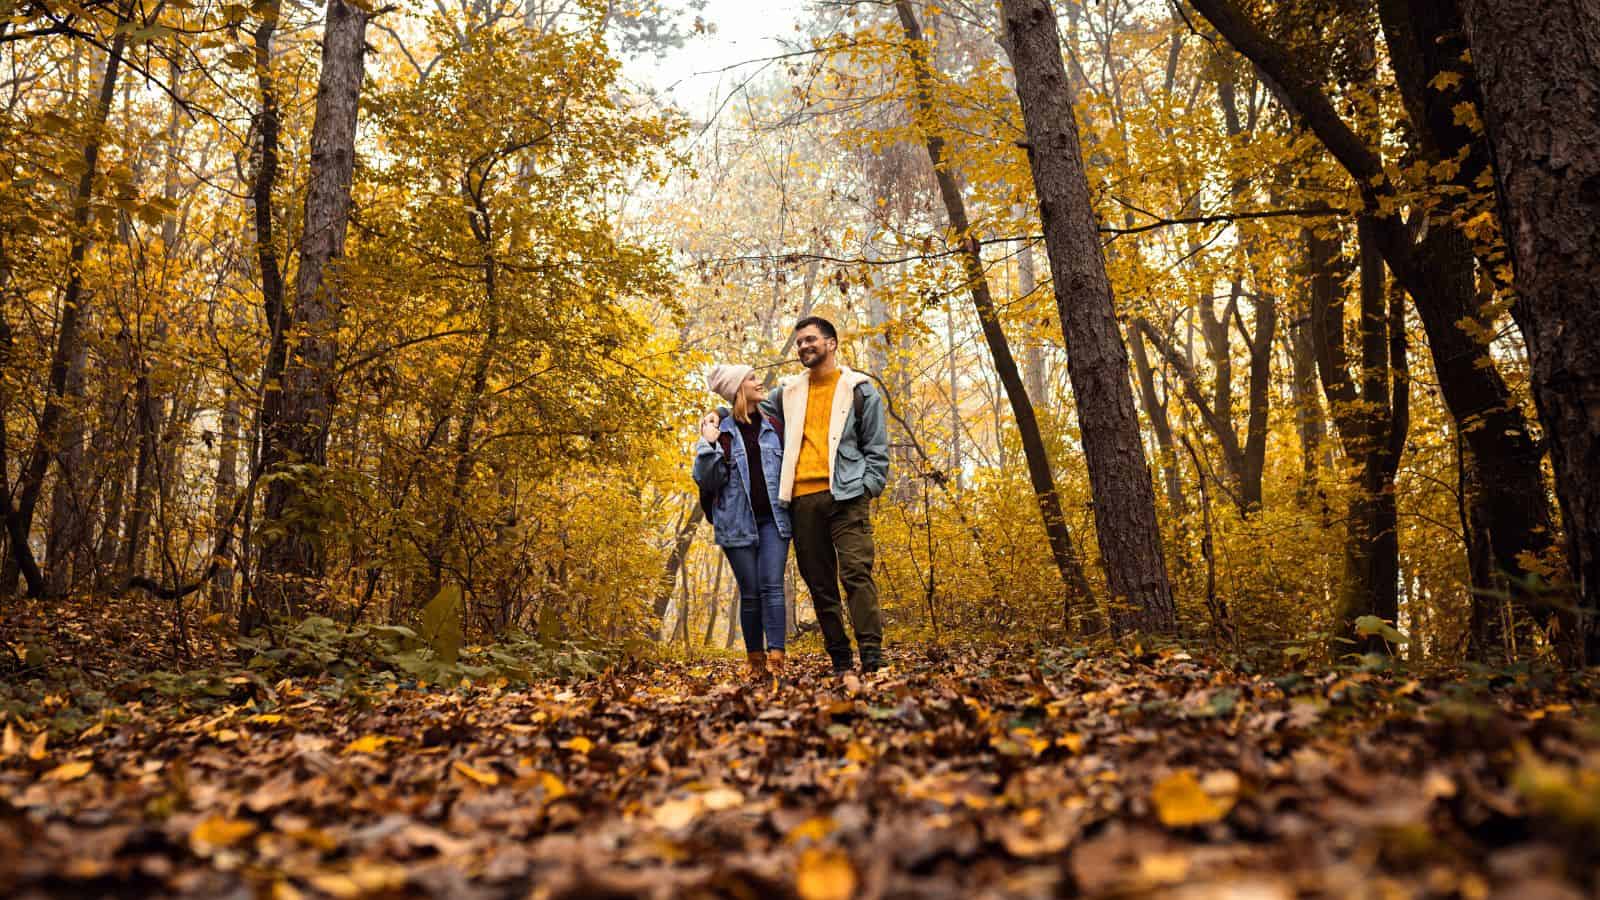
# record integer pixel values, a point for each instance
(834, 463)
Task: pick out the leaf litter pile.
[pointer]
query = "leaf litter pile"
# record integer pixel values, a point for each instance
(956, 773)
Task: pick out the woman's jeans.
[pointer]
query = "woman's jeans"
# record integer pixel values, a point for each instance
(758, 570)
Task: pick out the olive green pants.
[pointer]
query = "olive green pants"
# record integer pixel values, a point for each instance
(833, 543)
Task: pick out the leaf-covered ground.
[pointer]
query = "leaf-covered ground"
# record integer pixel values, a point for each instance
(956, 773)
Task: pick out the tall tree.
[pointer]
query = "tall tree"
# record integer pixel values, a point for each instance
(1538, 67)
(1062, 548)
(1477, 397)
(298, 432)
(1372, 412)
(60, 396)
(1097, 361)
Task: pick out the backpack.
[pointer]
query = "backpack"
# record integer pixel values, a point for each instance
(708, 496)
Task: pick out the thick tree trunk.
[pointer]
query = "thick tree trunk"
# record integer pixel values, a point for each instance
(1538, 67)
(1507, 448)
(1097, 362)
(58, 399)
(1080, 596)
(1425, 42)
(298, 433)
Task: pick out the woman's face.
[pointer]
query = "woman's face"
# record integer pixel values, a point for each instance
(751, 389)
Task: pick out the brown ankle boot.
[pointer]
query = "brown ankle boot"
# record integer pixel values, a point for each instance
(756, 664)
(775, 662)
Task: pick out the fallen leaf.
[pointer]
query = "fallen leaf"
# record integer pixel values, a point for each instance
(36, 749)
(371, 743)
(217, 831)
(824, 875)
(675, 814)
(1180, 802)
(71, 771)
(579, 744)
(487, 779)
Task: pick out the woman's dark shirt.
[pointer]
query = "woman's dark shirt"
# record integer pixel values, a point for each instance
(760, 500)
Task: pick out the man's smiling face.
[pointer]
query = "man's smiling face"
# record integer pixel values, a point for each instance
(813, 346)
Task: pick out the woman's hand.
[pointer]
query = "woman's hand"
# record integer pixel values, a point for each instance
(710, 427)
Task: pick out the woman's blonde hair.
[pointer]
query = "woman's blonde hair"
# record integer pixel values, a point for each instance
(741, 407)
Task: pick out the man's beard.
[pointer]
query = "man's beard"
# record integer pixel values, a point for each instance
(810, 360)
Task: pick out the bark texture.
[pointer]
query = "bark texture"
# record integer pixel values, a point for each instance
(1097, 361)
(298, 433)
(1538, 67)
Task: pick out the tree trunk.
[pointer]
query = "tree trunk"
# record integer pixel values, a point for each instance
(1079, 593)
(1307, 408)
(299, 432)
(1372, 417)
(68, 543)
(1156, 412)
(1425, 42)
(1508, 446)
(227, 487)
(1032, 348)
(1538, 66)
(1097, 362)
(49, 438)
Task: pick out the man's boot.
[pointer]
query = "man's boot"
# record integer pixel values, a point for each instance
(776, 660)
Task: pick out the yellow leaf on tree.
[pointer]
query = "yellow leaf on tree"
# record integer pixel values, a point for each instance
(71, 771)
(824, 875)
(487, 779)
(219, 831)
(1181, 802)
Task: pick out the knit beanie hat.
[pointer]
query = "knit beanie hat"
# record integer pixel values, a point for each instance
(724, 380)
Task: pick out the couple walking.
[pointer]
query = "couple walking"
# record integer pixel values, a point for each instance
(804, 462)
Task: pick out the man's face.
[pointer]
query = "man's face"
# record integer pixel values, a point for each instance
(813, 346)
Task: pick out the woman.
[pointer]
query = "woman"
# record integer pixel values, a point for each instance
(737, 464)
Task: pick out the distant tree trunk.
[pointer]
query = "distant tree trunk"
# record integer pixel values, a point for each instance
(1307, 408)
(1033, 376)
(482, 225)
(1538, 66)
(954, 386)
(149, 411)
(68, 541)
(1097, 361)
(680, 551)
(227, 487)
(74, 307)
(299, 432)
(1156, 411)
(1372, 416)
(1079, 594)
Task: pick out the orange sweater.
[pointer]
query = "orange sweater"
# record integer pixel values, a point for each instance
(813, 472)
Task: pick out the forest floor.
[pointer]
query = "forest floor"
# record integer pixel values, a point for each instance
(955, 773)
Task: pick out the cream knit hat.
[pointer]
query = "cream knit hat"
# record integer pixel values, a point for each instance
(724, 380)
